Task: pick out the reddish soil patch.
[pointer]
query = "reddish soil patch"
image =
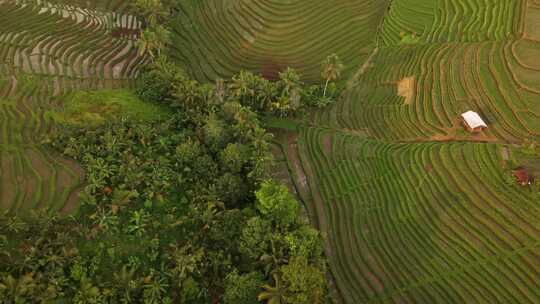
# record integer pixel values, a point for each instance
(451, 135)
(327, 143)
(376, 282)
(270, 70)
(72, 202)
(121, 32)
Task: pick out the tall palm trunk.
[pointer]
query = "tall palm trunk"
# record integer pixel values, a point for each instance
(326, 86)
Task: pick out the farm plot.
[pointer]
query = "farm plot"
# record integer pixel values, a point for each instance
(453, 20)
(49, 48)
(421, 223)
(500, 80)
(50, 42)
(218, 38)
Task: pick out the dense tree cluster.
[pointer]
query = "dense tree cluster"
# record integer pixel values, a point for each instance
(180, 210)
(173, 212)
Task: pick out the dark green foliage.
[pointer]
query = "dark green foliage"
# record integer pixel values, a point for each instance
(242, 289)
(155, 83)
(175, 210)
(287, 96)
(302, 282)
(152, 86)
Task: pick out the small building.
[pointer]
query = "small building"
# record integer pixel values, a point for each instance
(523, 177)
(473, 122)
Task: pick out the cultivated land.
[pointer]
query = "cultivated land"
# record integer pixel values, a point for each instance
(48, 49)
(217, 38)
(412, 208)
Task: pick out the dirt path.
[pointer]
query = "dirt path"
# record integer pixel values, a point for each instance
(363, 69)
(311, 198)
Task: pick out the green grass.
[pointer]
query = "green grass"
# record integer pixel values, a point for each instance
(93, 108)
(272, 122)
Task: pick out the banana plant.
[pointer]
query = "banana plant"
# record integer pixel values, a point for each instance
(273, 294)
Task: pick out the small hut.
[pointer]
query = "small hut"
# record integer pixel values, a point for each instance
(473, 122)
(523, 177)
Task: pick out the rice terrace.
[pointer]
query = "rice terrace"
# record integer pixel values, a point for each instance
(272, 151)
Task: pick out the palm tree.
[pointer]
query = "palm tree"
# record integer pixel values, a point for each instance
(15, 290)
(153, 40)
(292, 89)
(332, 68)
(151, 10)
(155, 289)
(290, 80)
(126, 282)
(273, 294)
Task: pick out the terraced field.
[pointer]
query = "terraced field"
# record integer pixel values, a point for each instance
(421, 223)
(219, 38)
(49, 48)
(413, 208)
(456, 21)
(495, 75)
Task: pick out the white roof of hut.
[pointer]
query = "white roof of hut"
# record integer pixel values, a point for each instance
(473, 119)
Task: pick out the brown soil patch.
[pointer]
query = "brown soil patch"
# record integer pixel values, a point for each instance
(6, 181)
(327, 143)
(295, 160)
(30, 186)
(376, 282)
(452, 135)
(122, 32)
(270, 70)
(505, 152)
(43, 170)
(72, 202)
(66, 181)
(406, 89)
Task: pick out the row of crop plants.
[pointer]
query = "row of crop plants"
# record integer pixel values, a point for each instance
(524, 71)
(44, 54)
(32, 176)
(452, 21)
(449, 79)
(411, 222)
(218, 38)
(47, 44)
(104, 5)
